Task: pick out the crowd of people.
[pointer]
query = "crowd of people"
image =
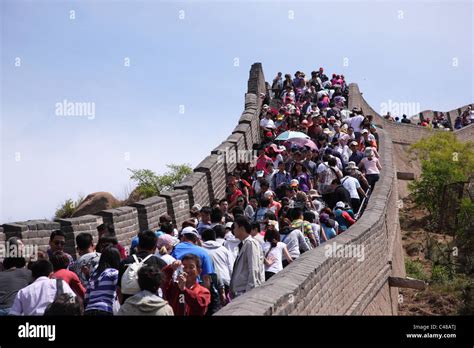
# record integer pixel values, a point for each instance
(439, 121)
(312, 175)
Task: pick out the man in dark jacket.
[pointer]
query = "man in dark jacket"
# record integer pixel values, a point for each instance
(339, 194)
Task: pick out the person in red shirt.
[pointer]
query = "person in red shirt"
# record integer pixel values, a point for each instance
(274, 205)
(233, 194)
(186, 296)
(262, 161)
(60, 263)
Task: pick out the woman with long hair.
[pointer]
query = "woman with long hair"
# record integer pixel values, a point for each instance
(102, 287)
(300, 173)
(274, 251)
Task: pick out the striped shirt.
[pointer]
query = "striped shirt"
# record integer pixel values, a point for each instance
(101, 292)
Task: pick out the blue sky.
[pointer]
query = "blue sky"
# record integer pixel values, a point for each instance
(401, 51)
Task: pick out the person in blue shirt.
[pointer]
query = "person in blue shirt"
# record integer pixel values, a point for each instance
(205, 221)
(189, 238)
(356, 155)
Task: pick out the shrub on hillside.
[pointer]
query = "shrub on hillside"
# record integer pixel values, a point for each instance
(151, 184)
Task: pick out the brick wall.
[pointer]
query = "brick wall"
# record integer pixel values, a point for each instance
(466, 133)
(149, 211)
(32, 232)
(124, 220)
(73, 226)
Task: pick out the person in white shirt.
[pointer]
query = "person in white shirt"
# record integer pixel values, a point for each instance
(222, 257)
(266, 123)
(356, 122)
(232, 243)
(35, 298)
(274, 251)
(352, 185)
(295, 242)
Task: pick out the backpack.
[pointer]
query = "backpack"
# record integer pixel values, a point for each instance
(59, 292)
(130, 277)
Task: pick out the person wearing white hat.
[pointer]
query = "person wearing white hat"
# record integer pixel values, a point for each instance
(367, 140)
(256, 185)
(370, 165)
(356, 155)
(190, 238)
(343, 217)
(352, 185)
(274, 205)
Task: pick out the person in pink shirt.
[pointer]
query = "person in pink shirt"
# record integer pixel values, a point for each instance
(262, 161)
(371, 167)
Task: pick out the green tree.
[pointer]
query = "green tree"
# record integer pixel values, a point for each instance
(465, 236)
(150, 184)
(66, 209)
(444, 160)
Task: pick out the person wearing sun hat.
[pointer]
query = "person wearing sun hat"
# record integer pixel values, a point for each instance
(317, 200)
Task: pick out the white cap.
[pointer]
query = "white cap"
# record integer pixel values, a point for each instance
(268, 194)
(190, 230)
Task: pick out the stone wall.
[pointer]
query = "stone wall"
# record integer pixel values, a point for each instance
(73, 226)
(402, 133)
(149, 211)
(124, 220)
(32, 232)
(451, 115)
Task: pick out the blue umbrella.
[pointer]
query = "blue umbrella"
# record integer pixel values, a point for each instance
(291, 135)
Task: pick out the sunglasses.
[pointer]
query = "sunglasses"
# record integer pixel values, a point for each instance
(59, 242)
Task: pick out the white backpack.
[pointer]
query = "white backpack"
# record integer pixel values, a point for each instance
(130, 277)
